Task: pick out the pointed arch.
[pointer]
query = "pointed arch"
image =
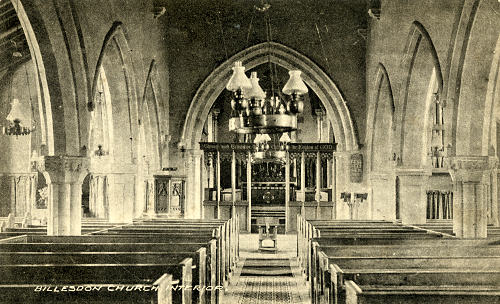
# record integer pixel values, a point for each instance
(378, 112)
(123, 89)
(284, 56)
(419, 44)
(150, 110)
(48, 119)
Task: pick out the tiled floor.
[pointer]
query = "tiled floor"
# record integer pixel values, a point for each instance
(267, 289)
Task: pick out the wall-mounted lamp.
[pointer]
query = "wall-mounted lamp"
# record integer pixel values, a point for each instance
(360, 197)
(346, 196)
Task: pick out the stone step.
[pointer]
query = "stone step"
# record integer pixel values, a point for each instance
(267, 263)
(266, 271)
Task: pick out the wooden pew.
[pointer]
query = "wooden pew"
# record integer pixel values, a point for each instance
(21, 278)
(421, 294)
(151, 233)
(134, 244)
(370, 234)
(198, 262)
(335, 286)
(447, 255)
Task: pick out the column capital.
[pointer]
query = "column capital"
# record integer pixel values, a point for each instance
(401, 171)
(64, 169)
(471, 168)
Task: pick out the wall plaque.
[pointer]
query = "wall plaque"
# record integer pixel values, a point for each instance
(356, 168)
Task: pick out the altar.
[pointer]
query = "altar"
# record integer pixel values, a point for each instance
(302, 182)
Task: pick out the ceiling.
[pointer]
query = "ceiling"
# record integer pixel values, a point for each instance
(14, 49)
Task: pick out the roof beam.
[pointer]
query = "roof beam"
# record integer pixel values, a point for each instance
(10, 31)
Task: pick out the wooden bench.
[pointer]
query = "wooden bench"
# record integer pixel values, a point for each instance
(198, 261)
(19, 279)
(88, 253)
(119, 245)
(335, 286)
(337, 252)
(421, 294)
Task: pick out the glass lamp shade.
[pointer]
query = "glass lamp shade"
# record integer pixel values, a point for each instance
(256, 91)
(238, 81)
(295, 84)
(285, 138)
(265, 137)
(16, 112)
(258, 139)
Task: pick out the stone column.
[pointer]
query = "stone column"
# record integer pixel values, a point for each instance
(194, 186)
(412, 187)
(470, 176)
(249, 191)
(383, 199)
(18, 194)
(318, 184)
(287, 191)
(334, 186)
(343, 183)
(66, 174)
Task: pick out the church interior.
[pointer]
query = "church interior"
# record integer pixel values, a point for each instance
(256, 151)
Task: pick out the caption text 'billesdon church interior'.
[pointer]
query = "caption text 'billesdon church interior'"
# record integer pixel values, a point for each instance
(249, 151)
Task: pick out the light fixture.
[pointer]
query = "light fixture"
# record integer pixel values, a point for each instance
(252, 112)
(16, 118)
(267, 149)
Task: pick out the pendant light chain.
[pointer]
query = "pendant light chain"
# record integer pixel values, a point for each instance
(268, 37)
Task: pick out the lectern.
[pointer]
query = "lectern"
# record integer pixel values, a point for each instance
(268, 230)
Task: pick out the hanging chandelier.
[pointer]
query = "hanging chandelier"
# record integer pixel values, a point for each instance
(253, 113)
(15, 118)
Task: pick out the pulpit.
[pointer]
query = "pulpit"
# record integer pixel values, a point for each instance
(170, 196)
(268, 233)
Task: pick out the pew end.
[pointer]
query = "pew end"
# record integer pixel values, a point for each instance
(164, 284)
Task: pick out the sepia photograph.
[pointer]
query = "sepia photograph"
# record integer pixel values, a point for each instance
(249, 151)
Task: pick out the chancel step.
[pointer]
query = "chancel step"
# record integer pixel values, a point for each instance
(266, 267)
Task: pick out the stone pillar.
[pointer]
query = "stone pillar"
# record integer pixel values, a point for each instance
(342, 183)
(470, 176)
(18, 193)
(383, 199)
(194, 186)
(217, 183)
(334, 186)
(233, 183)
(413, 203)
(493, 200)
(287, 191)
(66, 174)
(249, 191)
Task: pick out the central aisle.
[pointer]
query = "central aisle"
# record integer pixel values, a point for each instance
(268, 278)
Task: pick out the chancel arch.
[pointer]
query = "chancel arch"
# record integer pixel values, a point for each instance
(331, 106)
